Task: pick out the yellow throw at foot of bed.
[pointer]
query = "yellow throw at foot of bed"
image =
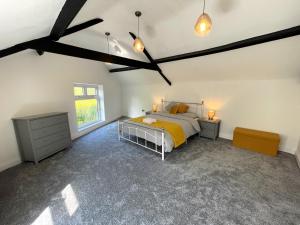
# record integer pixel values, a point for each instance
(174, 129)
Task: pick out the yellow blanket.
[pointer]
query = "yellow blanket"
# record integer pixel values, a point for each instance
(174, 129)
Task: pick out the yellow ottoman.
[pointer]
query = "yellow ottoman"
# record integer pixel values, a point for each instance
(255, 140)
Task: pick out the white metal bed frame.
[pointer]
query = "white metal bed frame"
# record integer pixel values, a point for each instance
(133, 137)
(137, 140)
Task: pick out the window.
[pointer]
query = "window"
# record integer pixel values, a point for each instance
(88, 104)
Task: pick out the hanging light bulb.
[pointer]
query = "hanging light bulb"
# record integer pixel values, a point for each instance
(203, 25)
(138, 44)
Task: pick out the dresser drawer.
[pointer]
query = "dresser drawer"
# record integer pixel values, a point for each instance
(48, 140)
(48, 150)
(209, 133)
(207, 125)
(46, 131)
(48, 121)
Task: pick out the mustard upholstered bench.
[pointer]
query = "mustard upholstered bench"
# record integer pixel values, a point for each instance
(255, 140)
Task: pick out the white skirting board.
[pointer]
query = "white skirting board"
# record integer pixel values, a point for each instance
(298, 156)
(298, 160)
(9, 164)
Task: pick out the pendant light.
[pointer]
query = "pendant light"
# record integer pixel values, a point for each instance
(138, 44)
(107, 34)
(203, 24)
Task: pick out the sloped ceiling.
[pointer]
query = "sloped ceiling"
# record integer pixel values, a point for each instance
(166, 26)
(26, 20)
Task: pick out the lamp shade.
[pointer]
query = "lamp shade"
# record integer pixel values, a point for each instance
(138, 45)
(203, 25)
(211, 114)
(154, 107)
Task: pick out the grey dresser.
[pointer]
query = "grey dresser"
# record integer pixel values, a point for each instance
(40, 136)
(209, 128)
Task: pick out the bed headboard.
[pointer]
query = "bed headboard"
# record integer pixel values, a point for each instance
(193, 106)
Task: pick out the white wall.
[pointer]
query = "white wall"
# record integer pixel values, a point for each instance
(30, 84)
(256, 87)
(265, 105)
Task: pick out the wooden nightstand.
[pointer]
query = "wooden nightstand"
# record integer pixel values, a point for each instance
(209, 128)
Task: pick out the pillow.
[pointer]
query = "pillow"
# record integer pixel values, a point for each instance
(169, 106)
(174, 109)
(182, 108)
(190, 115)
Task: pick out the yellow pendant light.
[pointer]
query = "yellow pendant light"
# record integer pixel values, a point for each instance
(203, 25)
(138, 44)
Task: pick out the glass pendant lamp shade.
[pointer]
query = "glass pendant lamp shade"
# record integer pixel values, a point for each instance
(138, 45)
(203, 25)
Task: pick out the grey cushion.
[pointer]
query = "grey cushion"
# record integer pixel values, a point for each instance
(169, 106)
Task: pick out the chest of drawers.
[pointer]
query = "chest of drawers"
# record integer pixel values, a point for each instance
(40, 136)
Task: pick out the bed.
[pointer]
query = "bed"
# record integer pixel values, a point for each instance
(162, 138)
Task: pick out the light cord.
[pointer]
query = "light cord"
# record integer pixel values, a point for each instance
(107, 44)
(138, 27)
(203, 7)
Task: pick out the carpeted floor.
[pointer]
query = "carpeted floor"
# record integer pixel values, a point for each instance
(104, 181)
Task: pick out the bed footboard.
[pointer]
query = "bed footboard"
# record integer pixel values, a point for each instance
(141, 135)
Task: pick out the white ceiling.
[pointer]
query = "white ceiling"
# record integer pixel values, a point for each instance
(166, 26)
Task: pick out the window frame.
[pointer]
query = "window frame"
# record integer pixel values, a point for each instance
(85, 96)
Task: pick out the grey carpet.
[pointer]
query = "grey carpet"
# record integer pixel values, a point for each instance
(114, 182)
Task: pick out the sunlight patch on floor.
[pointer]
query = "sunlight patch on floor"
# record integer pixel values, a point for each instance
(70, 199)
(45, 218)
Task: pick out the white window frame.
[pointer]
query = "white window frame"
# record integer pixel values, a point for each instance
(85, 96)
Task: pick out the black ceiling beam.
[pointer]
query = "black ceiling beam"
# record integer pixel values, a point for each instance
(82, 26)
(69, 50)
(77, 28)
(12, 50)
(286, 33)
(152, 61)
(123, 69)
(25, 45)
(65, 17)
(19, 47)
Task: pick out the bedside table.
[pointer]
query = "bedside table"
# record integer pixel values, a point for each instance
(209, 128)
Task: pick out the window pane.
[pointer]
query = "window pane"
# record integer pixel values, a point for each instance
(78, 91)
(86, 111)
(91, 91)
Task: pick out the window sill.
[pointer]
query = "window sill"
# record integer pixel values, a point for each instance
(91, 125)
